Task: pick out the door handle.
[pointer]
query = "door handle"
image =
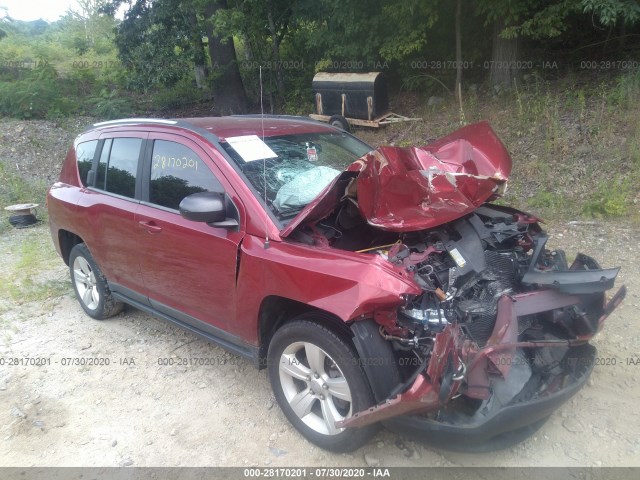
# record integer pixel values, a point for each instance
(150, 226)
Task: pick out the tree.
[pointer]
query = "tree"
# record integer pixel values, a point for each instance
(537, 19)
(88, 27)
(502, 15)
(160, 40)
(154, 42)
(610, 12)
(4, 21)
(458, 86)
(262, 26)
(229, 92)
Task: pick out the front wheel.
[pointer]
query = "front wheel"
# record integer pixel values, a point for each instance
(90, 285)
(317, 379)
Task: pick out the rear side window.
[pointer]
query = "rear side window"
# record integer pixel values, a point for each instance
(84, 156)
(177, 172)
(118, 166)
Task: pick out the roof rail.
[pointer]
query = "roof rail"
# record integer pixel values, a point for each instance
(135, 120)
(270, 116)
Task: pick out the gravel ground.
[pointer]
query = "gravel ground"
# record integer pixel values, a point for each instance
(137, 412)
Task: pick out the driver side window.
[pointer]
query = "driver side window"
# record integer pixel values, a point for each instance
(177, 172)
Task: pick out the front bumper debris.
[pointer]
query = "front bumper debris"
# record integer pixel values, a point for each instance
(500, 426)
(457, 365)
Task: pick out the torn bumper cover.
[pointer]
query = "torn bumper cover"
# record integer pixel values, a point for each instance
(498, 375)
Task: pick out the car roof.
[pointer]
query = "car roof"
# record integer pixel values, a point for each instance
(233, 126)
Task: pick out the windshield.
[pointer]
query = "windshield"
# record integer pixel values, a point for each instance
(301, 167)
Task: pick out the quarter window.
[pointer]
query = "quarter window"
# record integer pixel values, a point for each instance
(84, 157)
(177, 172)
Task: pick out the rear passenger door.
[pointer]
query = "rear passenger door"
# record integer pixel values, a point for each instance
(110, 205)
(189, 268)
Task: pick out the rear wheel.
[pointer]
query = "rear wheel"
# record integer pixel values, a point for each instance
(317, 380)
(90, 285)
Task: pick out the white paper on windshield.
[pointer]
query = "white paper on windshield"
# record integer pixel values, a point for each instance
(251, 148)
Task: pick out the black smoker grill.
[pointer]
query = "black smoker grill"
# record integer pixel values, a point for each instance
(344, 99)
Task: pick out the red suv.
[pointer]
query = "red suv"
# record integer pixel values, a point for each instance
(377, 286)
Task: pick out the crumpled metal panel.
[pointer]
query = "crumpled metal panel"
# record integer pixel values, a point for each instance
(406, 189)
(415, 188)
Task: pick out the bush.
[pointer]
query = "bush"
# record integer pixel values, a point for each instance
(39, 95)
(626, 92)
(183, 93)
(109, 105)
(610, 200)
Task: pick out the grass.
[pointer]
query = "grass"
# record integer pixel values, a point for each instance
(30, 272)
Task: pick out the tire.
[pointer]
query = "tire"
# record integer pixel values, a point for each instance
(90, 285)
(339, 121)
(316, 376)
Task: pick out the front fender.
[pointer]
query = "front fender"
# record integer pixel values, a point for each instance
(346, 284)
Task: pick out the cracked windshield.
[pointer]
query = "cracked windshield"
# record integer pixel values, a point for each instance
(300, 168)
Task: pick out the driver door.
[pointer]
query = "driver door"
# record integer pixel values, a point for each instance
(188, 268)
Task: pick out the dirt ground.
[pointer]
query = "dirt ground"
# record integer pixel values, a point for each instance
(136, 411)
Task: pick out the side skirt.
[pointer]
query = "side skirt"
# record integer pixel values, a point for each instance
(204, 330)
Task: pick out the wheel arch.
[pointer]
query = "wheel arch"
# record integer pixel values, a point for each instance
(67, 240)
(275, 311)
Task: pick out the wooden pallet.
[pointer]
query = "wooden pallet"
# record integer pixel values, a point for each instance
(386, 119)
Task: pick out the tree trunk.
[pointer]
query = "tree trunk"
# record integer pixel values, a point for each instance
(504, 57)
(199, 56)
(275, 49)
(229, 94)
(623, 33)
(458, 53)
(200, 73)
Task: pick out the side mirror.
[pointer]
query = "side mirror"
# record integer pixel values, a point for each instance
(209, 207)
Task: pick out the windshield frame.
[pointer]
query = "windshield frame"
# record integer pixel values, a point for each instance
(284, 218)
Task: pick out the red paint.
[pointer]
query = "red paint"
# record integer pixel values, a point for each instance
(192, 267)
(415, 188)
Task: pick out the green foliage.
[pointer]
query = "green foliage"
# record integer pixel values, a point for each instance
(626, 92)
(544, 19)
(546, 200)
(50, 70)
(611, 199)
(15, 189)
(184, 92)
(37, 95)
(109, 105)
(161, 46)
(609, 12)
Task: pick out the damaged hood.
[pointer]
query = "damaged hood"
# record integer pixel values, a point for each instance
(416, 188)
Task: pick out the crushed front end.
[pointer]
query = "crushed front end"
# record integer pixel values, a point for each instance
(499, 337)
